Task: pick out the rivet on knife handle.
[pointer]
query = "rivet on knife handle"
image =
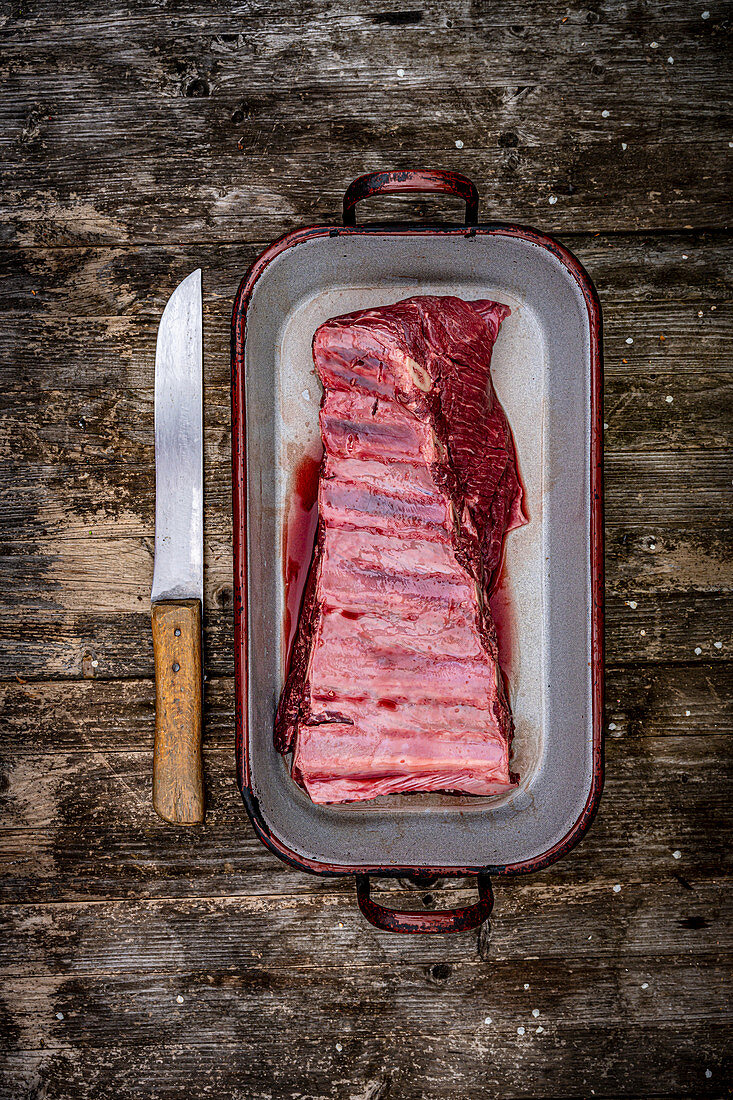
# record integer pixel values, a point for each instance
(178, 788)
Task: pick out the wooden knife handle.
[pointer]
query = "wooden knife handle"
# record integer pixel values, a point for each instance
(178, 785)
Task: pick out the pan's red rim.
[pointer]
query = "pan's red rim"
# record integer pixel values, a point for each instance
(239, 489)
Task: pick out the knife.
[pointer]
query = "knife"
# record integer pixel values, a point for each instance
(178, 575)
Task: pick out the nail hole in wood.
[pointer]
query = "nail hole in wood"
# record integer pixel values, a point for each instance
(177, 632)
(176, 666)
(198, 89)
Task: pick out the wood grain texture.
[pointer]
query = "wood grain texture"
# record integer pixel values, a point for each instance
(90, 715)
(264, 118)
(140, 141)
(54, 853)
(234, 1029)
(48, 642)
(178, 781)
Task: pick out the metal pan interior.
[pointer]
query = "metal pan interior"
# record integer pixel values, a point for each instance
(541, 368)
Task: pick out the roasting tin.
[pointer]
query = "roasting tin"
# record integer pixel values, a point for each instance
(547, 371)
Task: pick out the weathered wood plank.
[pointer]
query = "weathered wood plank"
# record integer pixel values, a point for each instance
(166, 935)
(452, 1030)
(71, 23)
(648, 408)
(593, 993)
(658, 1060)
(667, 488)
(694, 335)
(118, 715)
(43, 643)
(163, 974)
(325, 21)
(663, 795)
(673, 627)
(128, 853)
(218, 1007)
(124, 280)
(648, 187)
(43, 791)
(108, 843)
(130, 861)
(687, 559)
(59, 561)
(134, 859)
(309, 118)
(264, 118)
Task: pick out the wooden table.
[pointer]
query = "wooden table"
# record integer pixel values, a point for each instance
(142, 140)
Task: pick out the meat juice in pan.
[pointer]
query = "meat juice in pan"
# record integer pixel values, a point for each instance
(443, 319)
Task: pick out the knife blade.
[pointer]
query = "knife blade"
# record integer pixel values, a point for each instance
(178, 574)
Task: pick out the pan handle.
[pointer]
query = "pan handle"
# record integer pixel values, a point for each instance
(431, 181)
(404, 920)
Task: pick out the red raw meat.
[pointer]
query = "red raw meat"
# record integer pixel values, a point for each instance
(394, 683)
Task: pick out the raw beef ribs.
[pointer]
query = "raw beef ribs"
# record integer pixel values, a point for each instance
(394, 683)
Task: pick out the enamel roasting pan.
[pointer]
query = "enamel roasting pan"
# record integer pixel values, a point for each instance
(547, 371)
